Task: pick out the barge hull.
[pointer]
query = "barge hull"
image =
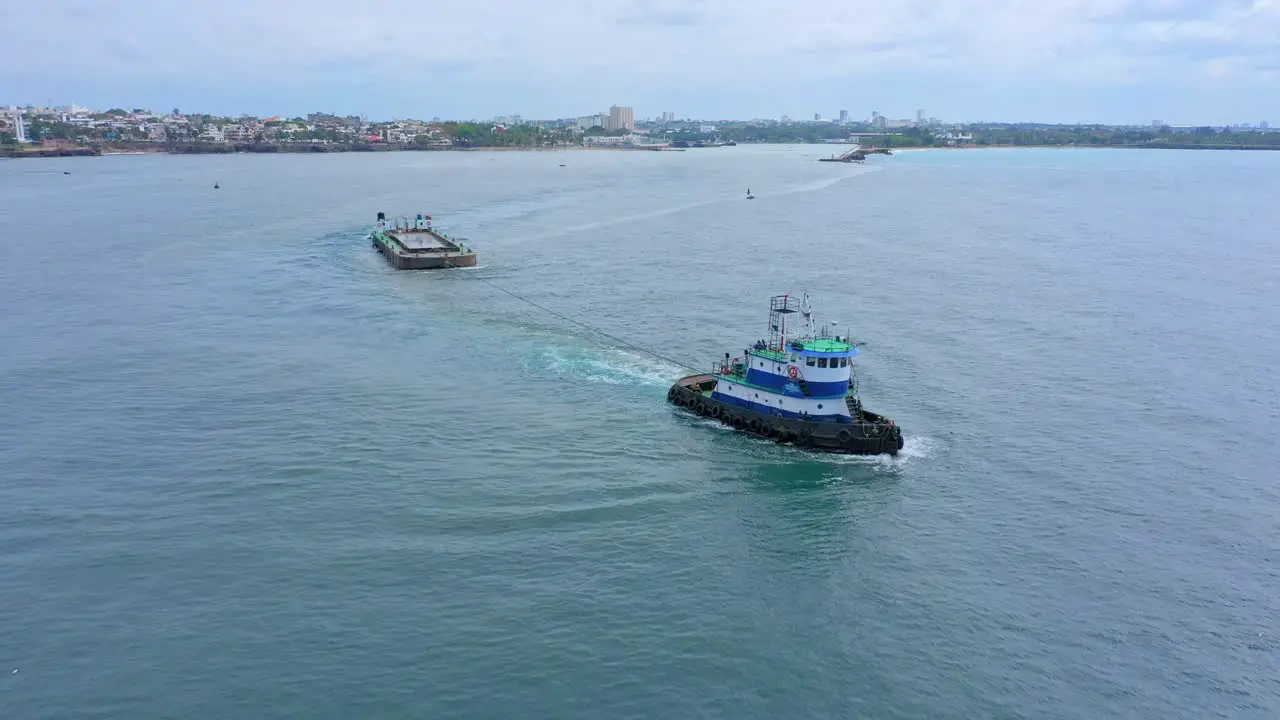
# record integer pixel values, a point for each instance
(870, 437)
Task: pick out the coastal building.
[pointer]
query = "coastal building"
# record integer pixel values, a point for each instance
(919, 117)
(586, 122)
(621, 118)
(957, 138)
(630, 140)
(844, 117)
(213, 133)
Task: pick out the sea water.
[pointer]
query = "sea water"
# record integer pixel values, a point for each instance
(248, 470)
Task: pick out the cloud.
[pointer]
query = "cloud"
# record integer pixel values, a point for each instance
(670, 13)
(594, 49)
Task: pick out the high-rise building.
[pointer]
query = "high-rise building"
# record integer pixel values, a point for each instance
(621, 118)
(919, 117)
(19, 129)
(1264, 125)
(844, 117)
(817, 117)
(668, 117)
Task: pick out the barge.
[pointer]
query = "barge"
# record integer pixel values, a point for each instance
(857, 155)
(792, 389)
(416, 245)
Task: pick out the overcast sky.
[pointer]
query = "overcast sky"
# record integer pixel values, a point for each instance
(1121, 61)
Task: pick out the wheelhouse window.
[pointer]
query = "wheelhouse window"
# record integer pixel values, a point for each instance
(822, 362)
(811, 361)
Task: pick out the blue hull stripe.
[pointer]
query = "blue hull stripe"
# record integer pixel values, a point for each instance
(766, 410)
(778, 384)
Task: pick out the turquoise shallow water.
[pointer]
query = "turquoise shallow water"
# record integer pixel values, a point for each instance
(248, 470)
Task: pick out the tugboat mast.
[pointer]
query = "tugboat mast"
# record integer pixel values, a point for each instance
(780, 306)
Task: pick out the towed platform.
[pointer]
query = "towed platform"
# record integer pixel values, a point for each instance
(416, 245)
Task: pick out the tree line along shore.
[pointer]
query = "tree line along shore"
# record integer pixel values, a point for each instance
(58, 141)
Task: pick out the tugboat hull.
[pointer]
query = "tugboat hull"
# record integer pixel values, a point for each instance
(870, 434)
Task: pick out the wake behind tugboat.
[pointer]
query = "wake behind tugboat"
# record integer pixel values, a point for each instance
(800, 390)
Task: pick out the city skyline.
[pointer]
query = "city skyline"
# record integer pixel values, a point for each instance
(623, 117)
(1073, 61)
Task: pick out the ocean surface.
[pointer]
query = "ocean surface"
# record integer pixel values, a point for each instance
(248, 470)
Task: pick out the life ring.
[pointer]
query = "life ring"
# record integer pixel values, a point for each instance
(844, 435)
(793, 372)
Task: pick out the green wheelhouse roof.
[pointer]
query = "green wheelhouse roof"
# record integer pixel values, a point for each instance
(821, 347)
(826, 345)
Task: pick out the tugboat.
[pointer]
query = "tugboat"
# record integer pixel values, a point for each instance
(801, 390)
(416, 245)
